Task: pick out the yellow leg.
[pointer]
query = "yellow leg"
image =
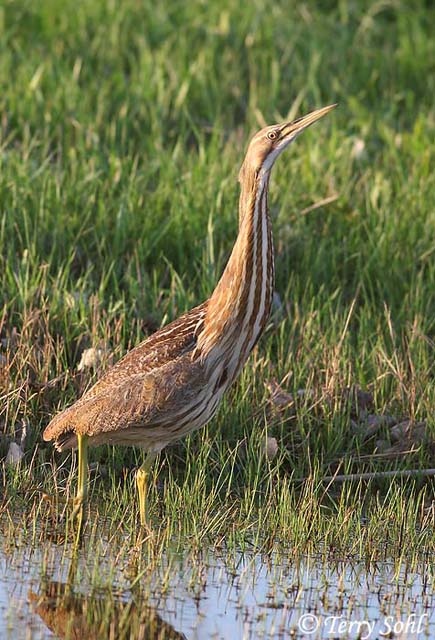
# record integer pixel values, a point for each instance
(82, 483)
(142, 475)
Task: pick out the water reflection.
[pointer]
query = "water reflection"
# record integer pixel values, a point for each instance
(97, 615)
(210, 595)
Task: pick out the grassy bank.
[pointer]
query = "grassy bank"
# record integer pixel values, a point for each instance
(123, 125)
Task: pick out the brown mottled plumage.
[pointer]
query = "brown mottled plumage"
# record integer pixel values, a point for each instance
(173, 382)
(137, 390)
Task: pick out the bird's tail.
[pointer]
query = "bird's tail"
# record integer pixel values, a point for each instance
(62, 429)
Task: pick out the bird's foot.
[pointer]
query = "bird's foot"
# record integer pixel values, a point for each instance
(67, 515)
(143, 535)
(56, 499)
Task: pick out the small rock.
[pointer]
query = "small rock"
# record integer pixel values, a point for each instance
(381, 446)
(361, 401)
(382, 420)
(414, 432)
(271, 448)
(91, 358)
(373, 423)
(15, 454)
(278, 397)
(305, 393)
(358, 149)
(97, 469)
(355, 427)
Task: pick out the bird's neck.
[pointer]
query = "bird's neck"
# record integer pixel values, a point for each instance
(240, 305)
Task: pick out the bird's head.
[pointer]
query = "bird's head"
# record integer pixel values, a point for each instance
(266, 145)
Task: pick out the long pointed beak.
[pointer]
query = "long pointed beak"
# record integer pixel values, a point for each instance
(295, 127)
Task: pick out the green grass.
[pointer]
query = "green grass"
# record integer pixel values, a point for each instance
(122, 127)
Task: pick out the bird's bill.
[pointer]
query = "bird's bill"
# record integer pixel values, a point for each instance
(291, 129)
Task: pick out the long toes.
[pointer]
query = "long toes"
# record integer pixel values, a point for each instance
(144, 534)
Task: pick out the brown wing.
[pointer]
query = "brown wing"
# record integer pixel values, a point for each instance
(163, 346)
(136, 388)
(144, 404)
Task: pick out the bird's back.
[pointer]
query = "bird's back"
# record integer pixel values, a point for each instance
(132, 392)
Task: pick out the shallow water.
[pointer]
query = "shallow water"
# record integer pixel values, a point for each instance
(215, 595)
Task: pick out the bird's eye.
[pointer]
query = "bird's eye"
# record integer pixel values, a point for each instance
(272, 135)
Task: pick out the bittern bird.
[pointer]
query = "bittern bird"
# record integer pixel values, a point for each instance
(172, 383)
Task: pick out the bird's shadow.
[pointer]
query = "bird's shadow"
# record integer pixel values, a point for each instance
(103, 614)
